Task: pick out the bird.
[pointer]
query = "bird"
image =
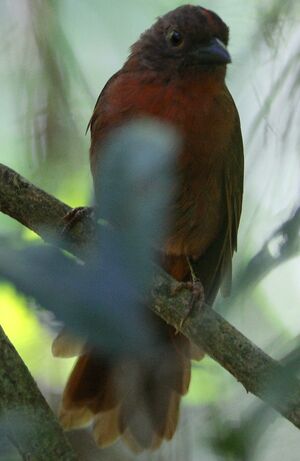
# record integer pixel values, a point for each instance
(175, 73)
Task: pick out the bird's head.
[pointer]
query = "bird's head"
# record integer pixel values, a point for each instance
(189, 37)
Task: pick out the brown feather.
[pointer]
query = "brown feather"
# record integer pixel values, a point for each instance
(129, 396)
(90, 385)
(151, 414)
(75, 418)
(171, 417)
(131, 442)
(106, 427)
(65, 345)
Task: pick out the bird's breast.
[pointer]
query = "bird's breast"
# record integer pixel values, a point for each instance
(201, 111)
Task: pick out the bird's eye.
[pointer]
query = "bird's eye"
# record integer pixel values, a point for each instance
(175, 38)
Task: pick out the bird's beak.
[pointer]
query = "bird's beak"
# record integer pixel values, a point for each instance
(213, 53)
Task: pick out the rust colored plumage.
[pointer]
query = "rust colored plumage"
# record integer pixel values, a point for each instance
(175, 73)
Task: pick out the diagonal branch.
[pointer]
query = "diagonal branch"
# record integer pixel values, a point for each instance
(287, 240)
(41, 438)
(257, 372)
(35, 209)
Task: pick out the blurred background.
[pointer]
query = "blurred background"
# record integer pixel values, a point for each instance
(56, 56)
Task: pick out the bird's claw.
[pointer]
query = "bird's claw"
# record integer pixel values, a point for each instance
(197, 298)
(75, 216)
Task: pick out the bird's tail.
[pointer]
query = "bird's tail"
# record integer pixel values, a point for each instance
(133, 398)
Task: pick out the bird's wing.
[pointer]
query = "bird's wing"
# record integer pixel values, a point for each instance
(97, 107)
(234, 181)
(214, 267)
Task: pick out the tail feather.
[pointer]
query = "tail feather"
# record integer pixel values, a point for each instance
(91, 385)
(66, 345)
(136, 403)
(131, 442)
(106, 427)
(138, 399)
(147, 425)
(165, 413)
(138, 421)
(76, 418)
(179, 366)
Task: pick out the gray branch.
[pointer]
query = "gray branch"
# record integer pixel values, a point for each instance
(256, 371)
(25, 416)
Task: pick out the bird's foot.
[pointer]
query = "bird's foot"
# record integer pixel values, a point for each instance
(78, 215)
(197, 297)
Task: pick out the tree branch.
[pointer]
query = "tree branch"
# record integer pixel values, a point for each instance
(37, 210)
(37, 436)
(286, 239)
(258, 372)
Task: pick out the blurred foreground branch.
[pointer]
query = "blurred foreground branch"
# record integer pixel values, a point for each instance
(258, 373)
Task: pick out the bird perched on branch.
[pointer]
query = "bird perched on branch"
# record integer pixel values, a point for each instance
(176, 74)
